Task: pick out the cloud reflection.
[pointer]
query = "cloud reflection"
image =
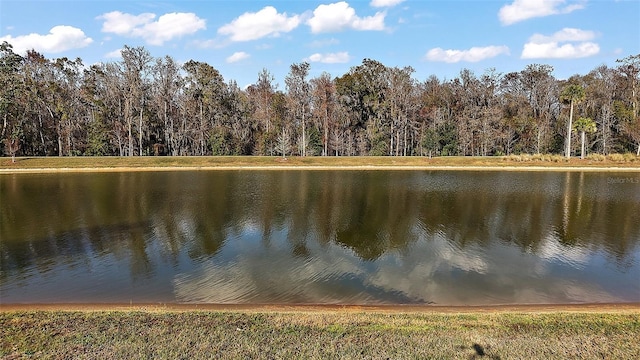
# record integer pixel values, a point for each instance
(367, 237)
(431, 271)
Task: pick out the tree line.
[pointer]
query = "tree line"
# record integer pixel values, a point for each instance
(143, 105)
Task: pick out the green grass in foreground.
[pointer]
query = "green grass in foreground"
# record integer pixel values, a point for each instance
(616, 160)
(317, 335)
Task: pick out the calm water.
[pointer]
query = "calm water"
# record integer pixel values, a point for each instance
(366, 237)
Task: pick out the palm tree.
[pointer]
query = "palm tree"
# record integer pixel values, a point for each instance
(584, 125)
(573, 94)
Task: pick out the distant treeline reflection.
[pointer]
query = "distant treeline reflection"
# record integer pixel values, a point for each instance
(61, 218)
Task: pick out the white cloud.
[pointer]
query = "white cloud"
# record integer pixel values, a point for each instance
(568, 43)
(168, 26)
(521, 10)
(330, 58)
(564, 35)
(339, 16)
(60, 38)
(385, 3)
(115, 54)
(266, 22)
(555, 51)
(123, 24)
(237, 56)
(172, 26)
(474, 54)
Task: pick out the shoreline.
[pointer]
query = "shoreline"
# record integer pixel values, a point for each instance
(326, 308)
(522, 168)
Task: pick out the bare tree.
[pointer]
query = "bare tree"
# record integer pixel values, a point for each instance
(298, 91)
(165, 90)
(630, 68)
(540, 89)
(324, 98)
(135, 67)
(265, 88)
(400, 97)
(10, 86)
(284, 142)
(238, 110)
(12, 146)
(261, 96)
(632, 128)
(599, 102)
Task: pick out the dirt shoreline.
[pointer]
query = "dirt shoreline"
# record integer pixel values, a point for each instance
(317, 167)
(330, 308)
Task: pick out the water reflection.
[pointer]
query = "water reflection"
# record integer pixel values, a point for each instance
(320, 237)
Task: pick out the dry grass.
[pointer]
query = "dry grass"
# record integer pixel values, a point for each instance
(591, 159)
(524, 160)
(317, 335)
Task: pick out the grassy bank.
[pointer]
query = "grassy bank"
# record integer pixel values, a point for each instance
(128, 334)
(550, 161)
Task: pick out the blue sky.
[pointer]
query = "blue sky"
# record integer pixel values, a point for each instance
(241, 37)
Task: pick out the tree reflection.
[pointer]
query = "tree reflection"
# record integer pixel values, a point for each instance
(152, 218)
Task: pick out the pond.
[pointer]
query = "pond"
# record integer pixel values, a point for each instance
(320, 237)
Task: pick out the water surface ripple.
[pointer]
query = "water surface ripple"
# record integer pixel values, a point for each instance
(320, 237)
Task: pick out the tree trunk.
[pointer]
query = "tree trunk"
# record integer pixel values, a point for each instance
(283, 147)
(326, 132)
(12, 147)
(582, 145)
(404, 148)
(140, 131)
(304, 139)
(129, 132)
(4, 125)
(127, 114)
(567, 150)
(44, 145)
(69, 141)
(538, 140)
(201, 131)
(391, 142)
(59, 141)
